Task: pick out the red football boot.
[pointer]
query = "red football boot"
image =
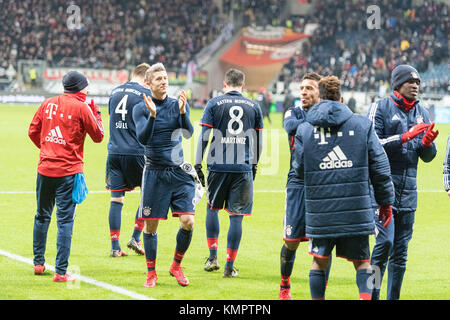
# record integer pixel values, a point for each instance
(65, 278)
(175, 271)
(39, 269)
(285, 294)
(151, 279)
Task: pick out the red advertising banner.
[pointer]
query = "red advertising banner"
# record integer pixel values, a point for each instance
(252, 51)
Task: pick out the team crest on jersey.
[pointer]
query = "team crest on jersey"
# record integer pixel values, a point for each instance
(187, 167)
(288, 230)
(419, 119)
(146, 211)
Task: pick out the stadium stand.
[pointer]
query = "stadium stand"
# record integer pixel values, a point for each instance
(113, 33)
(362, 58)
(118, 34)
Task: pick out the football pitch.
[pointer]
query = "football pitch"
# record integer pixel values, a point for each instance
(258, 259)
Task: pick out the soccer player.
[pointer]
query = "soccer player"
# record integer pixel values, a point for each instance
(236, 123)
(404, 129)
(125, 161)
(161, 122)
(447, 168)
(59, 129)
(294, 218)
(340, 156)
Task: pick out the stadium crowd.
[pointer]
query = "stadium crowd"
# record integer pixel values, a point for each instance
(364, 58)
(116, 34)
(109, 34)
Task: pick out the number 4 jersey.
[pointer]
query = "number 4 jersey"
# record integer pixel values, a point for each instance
(236, 124)
(122, 129)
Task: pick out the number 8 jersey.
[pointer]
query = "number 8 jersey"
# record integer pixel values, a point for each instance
(122, 129)
(236, 124)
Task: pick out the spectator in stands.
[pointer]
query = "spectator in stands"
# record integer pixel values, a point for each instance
(343, 45)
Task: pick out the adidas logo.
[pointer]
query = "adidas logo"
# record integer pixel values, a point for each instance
(55, 136)
(395, 117)
(336, 159)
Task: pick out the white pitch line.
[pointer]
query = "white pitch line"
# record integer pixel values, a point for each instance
(94, 282)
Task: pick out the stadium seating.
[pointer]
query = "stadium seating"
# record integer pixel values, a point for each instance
(120, 34)
(110, 33)
(363, 58)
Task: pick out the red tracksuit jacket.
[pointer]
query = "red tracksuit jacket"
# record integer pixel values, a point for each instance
(59, 129)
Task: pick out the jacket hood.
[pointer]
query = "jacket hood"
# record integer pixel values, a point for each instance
(328, 113)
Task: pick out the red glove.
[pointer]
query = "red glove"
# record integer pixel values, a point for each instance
(429, 137)
(414, 131)
(385, 214)
(95, 108)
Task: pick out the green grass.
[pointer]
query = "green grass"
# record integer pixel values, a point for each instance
(258, 257)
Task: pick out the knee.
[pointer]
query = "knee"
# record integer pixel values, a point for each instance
(42, 217)
(320, 264)
(292, 245)
(118, 199)
(187, 222)
(150, 226)
(386, 244)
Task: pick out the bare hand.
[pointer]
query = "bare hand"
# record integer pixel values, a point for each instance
(150, 105)
(182, 102)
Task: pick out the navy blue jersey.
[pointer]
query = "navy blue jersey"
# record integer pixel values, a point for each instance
(122, 129)
(236, 124)
(162, 135)
(293, 117)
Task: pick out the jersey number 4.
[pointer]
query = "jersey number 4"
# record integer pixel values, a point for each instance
(122, 107)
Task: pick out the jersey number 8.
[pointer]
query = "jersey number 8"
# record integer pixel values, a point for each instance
(236, 119)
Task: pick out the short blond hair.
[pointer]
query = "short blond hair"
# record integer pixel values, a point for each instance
(157, 67)
(140, 70)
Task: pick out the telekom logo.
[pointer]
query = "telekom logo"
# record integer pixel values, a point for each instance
(51, 110)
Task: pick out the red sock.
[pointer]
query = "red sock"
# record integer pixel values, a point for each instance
(365, 296)
(139, 224)
(177, 257)
(151, 264)
(231, 255)
(114, 234)
(213, 243)
(285, 282)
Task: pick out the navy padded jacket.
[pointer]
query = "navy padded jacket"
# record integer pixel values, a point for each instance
(340, 156)
(391, 122)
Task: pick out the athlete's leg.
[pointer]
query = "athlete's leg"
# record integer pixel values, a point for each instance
(317, 278)
(287, 259)
(65, 215)
(384, 241)
(45, 195)
(404, 222)
(212, 230)
(115, 217)
(233, 239)
(363, 273)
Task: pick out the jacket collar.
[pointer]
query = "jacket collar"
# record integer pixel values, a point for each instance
(77, 95)
(401, 102)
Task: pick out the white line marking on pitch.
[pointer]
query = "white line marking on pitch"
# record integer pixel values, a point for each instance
(94, 282)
